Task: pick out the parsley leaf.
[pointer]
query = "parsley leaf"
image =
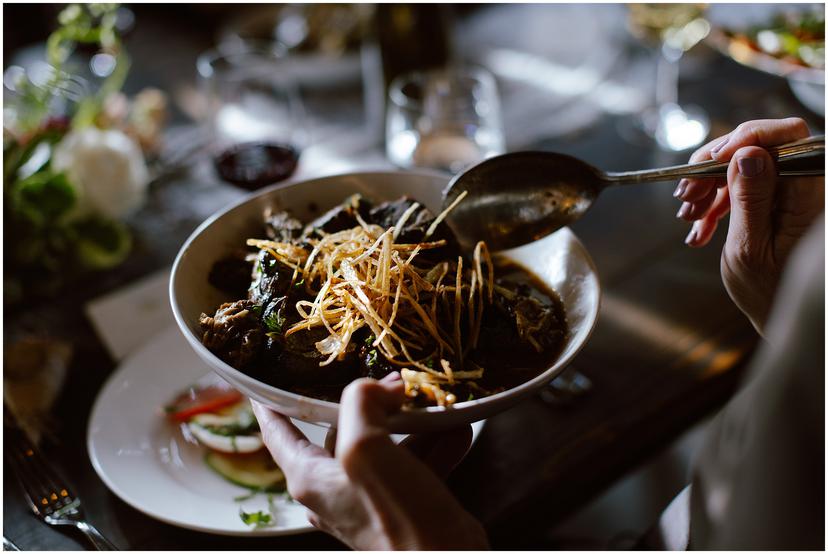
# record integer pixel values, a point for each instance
(273, 321)
(257, 519)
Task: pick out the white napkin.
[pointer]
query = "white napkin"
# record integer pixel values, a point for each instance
(129, 317)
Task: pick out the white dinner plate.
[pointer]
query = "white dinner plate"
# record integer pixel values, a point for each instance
(144, 459)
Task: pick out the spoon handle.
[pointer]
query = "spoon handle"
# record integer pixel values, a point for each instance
(800, 158)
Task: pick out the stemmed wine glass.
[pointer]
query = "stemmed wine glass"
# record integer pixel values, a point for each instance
(255, 114)
(674, 28)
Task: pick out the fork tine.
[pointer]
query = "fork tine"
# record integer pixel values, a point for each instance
(22, 477)
(50, 492)
(49, 476)
(32, 483)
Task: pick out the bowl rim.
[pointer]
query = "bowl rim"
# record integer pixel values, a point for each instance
(559, 365)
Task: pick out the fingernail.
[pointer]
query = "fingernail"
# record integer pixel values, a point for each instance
(392, 377)
(682, 186)
(691, 237)
(750, 167)
(684, 210)
(719, 146)
(694, 235)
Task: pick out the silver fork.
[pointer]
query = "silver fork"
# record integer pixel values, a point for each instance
(49, 496)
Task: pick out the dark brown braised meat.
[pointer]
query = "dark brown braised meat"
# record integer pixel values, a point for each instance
(341, 217)
(282, 227)
(233, 333)
(294, 361)
(389, 213)
(386, 215)
(415, 227)
(271, 279)
(518, 319)
(231, 275)
(373, 364)
(536, 323)
(521, 333)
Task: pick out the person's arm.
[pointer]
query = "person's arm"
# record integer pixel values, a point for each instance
(759, 479)
(371, 493)
(768, 216)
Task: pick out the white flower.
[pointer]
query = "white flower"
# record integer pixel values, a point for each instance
(106, 168)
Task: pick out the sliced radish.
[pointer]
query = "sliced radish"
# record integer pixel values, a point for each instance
(195, 401)
(240, 444)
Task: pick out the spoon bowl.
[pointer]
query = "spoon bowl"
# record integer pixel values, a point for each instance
(520, 197)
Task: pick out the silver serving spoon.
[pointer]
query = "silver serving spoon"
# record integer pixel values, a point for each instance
(516, 198)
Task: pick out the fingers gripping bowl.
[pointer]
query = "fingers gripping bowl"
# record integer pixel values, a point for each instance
(559, 261)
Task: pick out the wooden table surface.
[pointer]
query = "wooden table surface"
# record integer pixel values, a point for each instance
(667, 351)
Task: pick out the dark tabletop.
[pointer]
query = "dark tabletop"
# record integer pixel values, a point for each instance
(668, 350)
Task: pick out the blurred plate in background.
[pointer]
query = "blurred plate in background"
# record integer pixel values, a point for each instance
(321, 41)
(733, 25)
(561, 73)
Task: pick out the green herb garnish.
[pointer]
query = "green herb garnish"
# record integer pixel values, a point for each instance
(371, 359)
(274, 321)
(257, 519)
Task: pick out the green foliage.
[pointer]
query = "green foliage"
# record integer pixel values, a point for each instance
(83, 24)
(79, 24)
(43, 197)
(101, 243)
(47, 239)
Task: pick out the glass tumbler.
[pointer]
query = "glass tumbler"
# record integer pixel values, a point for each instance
(443, 119)
(254, 114)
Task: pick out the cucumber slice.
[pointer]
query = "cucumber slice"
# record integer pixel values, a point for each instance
(255, 471)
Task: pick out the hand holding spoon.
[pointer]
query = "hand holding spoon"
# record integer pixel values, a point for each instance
(516, 198)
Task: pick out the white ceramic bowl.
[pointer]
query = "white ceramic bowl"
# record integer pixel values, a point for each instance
(560, 260)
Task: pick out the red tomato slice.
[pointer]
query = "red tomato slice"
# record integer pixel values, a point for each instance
(194, 401)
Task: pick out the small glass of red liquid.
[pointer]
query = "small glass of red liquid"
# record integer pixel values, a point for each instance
(255, 114)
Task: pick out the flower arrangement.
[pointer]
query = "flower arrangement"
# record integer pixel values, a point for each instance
(74, 159)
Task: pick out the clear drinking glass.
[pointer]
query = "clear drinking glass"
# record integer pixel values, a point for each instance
(443, 119)
(254, 114)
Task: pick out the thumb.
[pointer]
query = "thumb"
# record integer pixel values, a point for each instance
(364, 410)
(751, 179)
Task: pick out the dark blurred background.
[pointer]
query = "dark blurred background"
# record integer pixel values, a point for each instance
(571, 78)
